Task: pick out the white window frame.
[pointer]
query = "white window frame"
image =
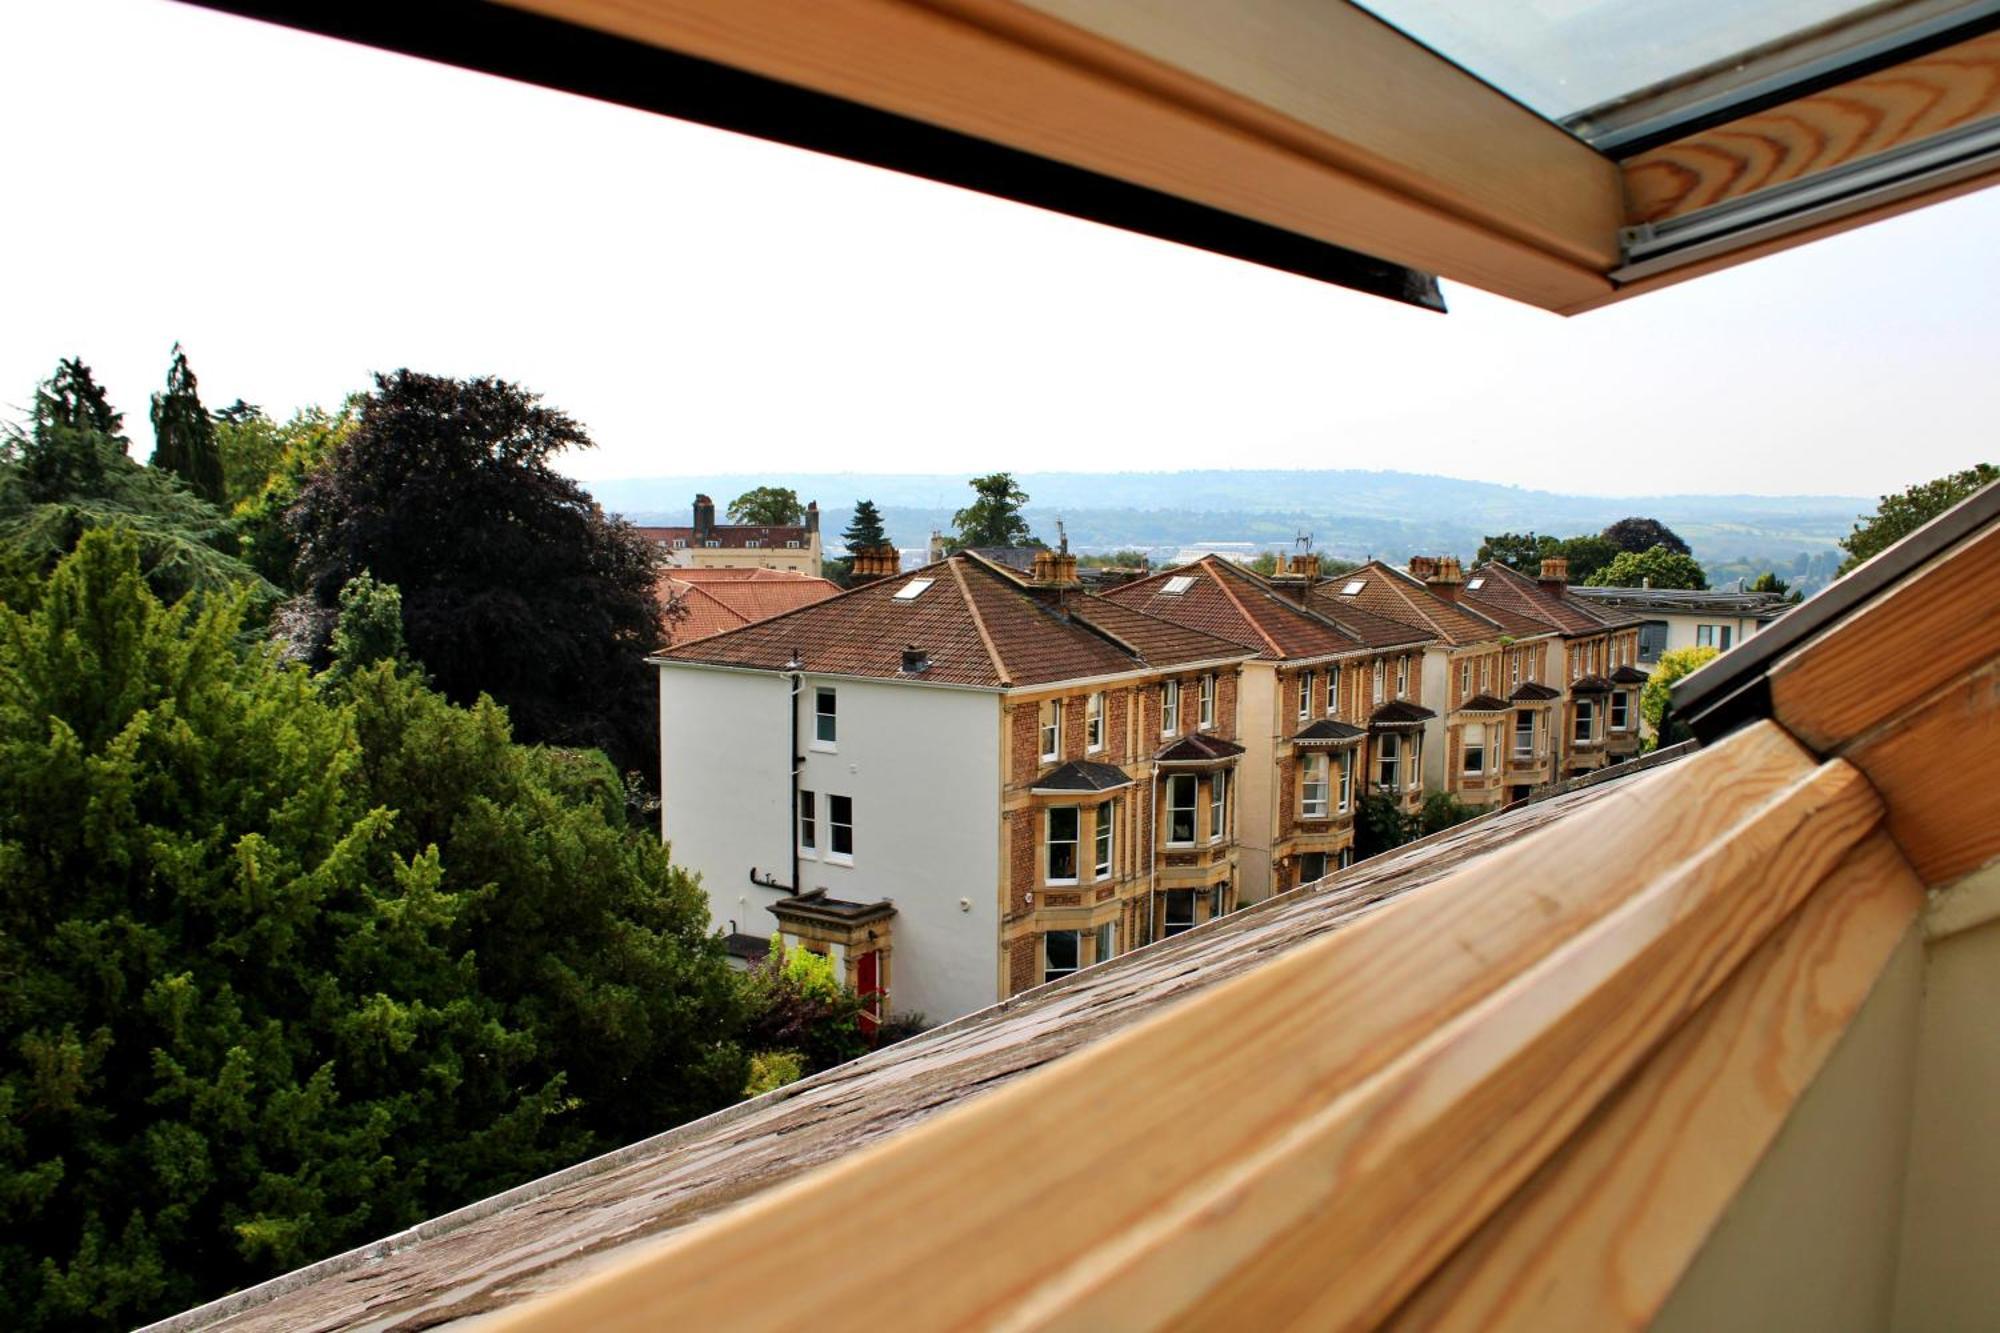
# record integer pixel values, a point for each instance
(1093, 722)
(1218, 805)
(680, 543)
(1389, 759)
(1345, 787)
(1050, 842)
(1583, 727)
(1175, 783)
(1621, 710)
(1312, 785)
(1333, 689)
(1403, 676)
(1514, 670)
(834, 824)
(1381, 680)
(1170, 707)
(826, 720)
(1104, 840)
(1205, 703)
(808, 825)
(1524, 715)
(1170, 927)
(1104, 942)
(1048, 723)
(1465, 680)
(1468, 746)
(1305, 693)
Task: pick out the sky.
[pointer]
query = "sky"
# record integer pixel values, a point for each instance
(300, 213)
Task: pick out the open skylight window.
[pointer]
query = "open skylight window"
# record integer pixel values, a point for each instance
(1178, 584)
(912, 590)
(1353, 587)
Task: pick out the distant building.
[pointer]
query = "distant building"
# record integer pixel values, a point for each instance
(713, 600)
(986, 778)
(1672, 618)
(706, 544)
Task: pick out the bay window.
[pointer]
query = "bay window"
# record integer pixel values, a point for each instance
(1586, 721)
(1062, 953)
(1181, 809)
(1473, 747)
(1061, 838)
(1218, 797)
(1389, 762)
(1621, 711)
(1312, 786)
(1107, 819)
(1346, 793)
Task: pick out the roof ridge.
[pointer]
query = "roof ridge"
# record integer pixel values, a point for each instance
(1242, 610)
(979, 623)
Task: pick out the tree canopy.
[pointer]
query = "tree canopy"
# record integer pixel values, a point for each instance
(286, 963)
(773, 505)
(1525, 551)
(1897, 516)
(514, 583)
(865, 532)
(68, 472)
(184, 434)
(1659, 685)
(994, 517)
(1657, 567)
(1639, 535)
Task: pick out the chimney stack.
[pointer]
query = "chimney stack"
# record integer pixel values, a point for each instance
(812, 516)
(1423, 566)
(1055, 569)
(1555, 576)
(874, 562)
(1307, 568)
(1445, 579)
(704, 519)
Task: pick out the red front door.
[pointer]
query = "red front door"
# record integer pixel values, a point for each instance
(868, 985)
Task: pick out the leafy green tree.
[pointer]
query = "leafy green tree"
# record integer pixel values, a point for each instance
(1265, 563)
(774, 505)
(1658, 567)
(1897, 516)
(865, 532)
(369, 628)
(184, 434)
(1659, 685)
(306, 444)
(514, 581)
(1130, 558)
(1524, 551)
(1639, 535)
(1768, 581)
(994, 518)
(1586, 555)
(287, 965)
(69, 472)
(798, 1005)
(250, 446)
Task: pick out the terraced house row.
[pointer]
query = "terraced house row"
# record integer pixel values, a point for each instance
(965, 781)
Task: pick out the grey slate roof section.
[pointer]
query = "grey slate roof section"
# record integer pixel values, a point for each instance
(1482, 703)
(1677, 601)
(1534, 692)
(1197, 749)
(1592, 684)
(1399, 713)
(1327, 731)
(1630, 675)
(1083, 775)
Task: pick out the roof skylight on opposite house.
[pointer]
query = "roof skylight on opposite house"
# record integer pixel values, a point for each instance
(912, 590)
(1177, 585)
(1354, 587)
(1476, 584)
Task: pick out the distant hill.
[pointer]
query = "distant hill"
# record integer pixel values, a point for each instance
(1350, 513)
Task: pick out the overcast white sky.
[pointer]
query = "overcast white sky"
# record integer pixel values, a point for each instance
(300, 213)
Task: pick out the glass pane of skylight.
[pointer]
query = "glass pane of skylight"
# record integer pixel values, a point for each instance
(911, 590)
(1354, 586)
(1178, 584)
(1615, 69)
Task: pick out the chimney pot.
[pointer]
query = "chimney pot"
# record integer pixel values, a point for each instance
(1423, 566)
(1555, 575)
(915, 658)
(1445, 578)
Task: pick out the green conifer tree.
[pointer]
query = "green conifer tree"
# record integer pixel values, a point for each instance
(865, 532)
(184, 433)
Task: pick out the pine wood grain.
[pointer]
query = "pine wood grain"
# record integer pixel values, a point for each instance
(1005, 72)
(1312, 1138)
(1876, 664)
(1887, 109)
(1938, 768)
(1599, 1236)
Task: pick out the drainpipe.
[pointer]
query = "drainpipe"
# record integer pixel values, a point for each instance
(796, 760)
(1153, 857)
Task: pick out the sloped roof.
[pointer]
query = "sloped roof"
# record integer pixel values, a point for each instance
(1083, 775)
(1630, 675)
(1533, 691)
(979, 624)
(1224, 599)
(1399, 713)
(715, 605)
(1505, 588)
(732, 535)
(1591, 684)
(547, 1233)
(1198, 748)
(1400, 596)
(1328, 731)
(1676, 601)
(1483, 703)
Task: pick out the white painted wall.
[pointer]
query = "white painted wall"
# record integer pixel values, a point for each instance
(1437, 698)
(922, 764)
(1682, 629)
(1256, 793)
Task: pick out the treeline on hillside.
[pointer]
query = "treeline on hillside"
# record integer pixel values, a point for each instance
(300, 942)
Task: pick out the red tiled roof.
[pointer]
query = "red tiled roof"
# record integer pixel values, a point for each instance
(1504, 588)
(731, 573)
(712, 606)
(1231, 602)
(978, 624)
(1396, 595)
